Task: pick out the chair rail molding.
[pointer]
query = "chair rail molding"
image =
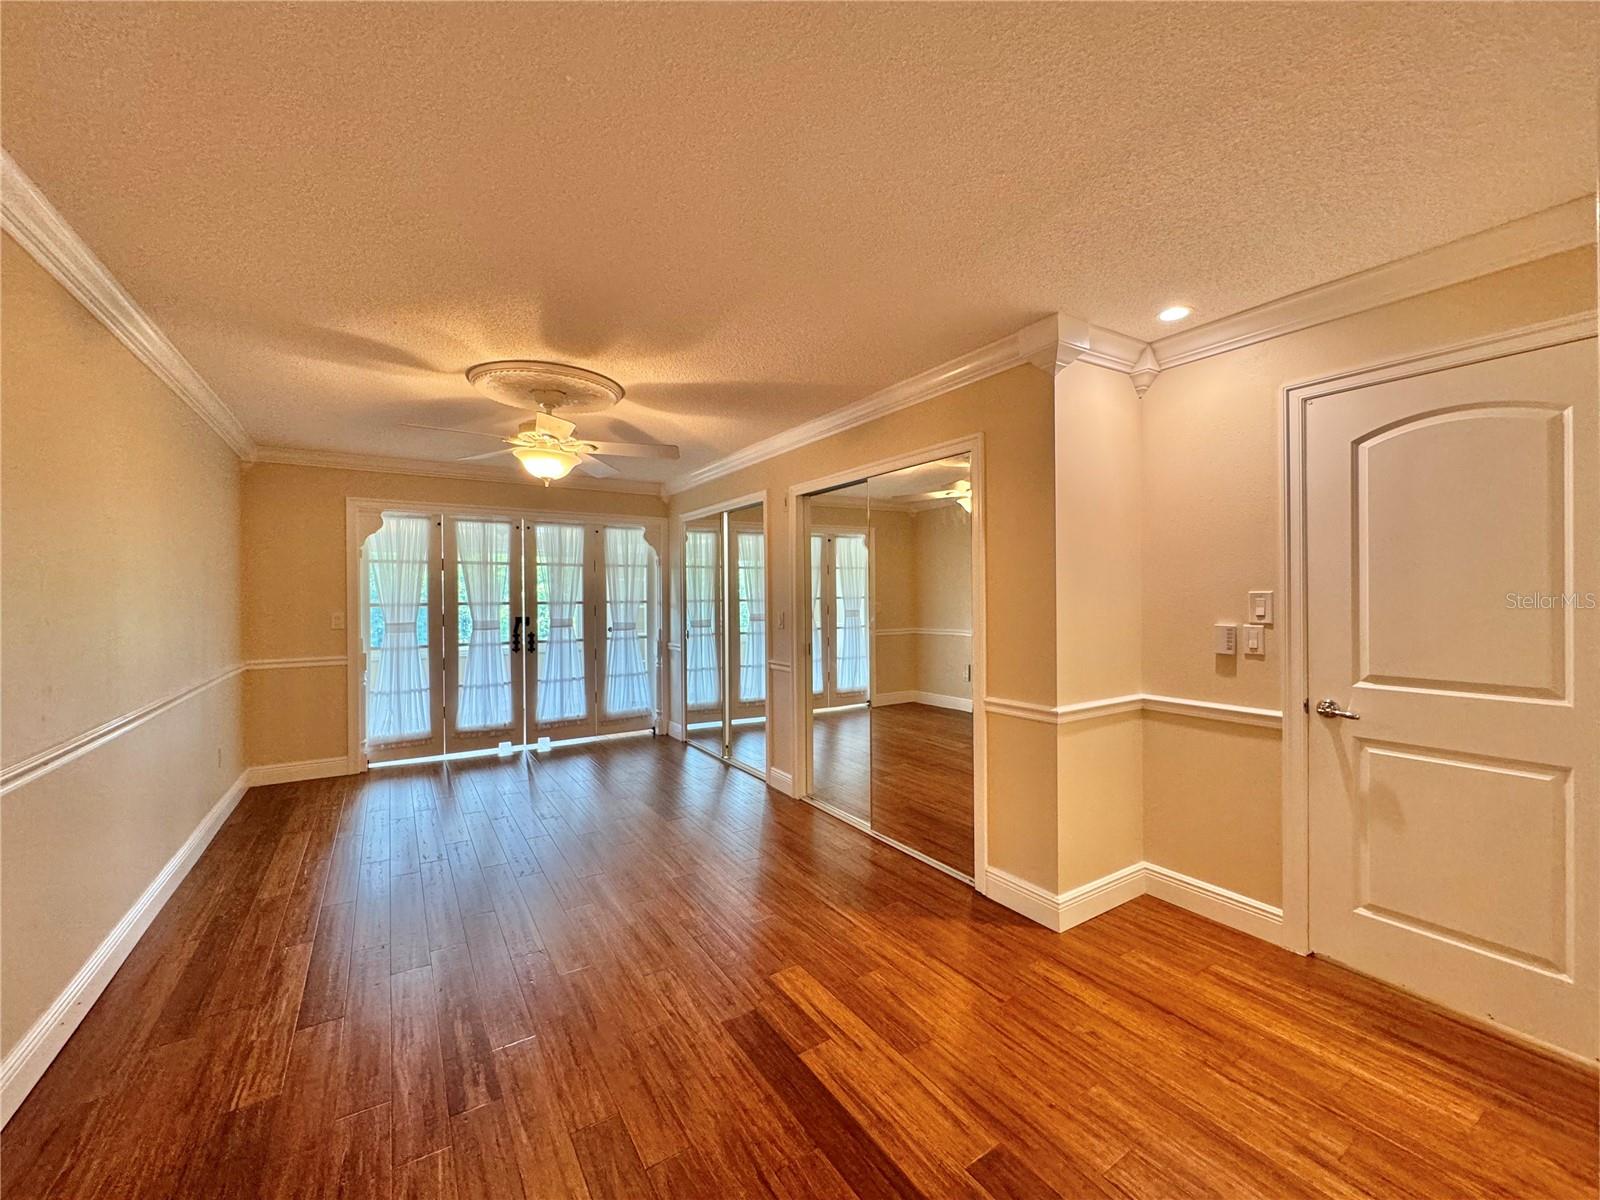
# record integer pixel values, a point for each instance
(1089, 710)
(28, 216)
(24, 772)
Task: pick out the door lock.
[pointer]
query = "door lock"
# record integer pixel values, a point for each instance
(1330, 708)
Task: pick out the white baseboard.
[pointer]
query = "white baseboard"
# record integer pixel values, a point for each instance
(780, 781)
(1216, 903)
(296, 772)
(932, 699)
(1061, 911)
(37, 1048)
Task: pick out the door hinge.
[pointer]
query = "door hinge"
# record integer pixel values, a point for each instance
(1305, 705)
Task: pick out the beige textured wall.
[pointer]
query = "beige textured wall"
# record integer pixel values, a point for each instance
(1013, 412)
(294, 582)
(120, 518)
(1212, 530)
(1099, 585)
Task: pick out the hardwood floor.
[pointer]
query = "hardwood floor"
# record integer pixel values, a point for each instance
(629, 971)
(906, 769)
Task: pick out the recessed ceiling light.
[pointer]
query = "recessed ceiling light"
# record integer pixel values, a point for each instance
(1176, 313)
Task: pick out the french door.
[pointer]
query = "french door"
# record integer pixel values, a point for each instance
(485, 632)
(841, 661)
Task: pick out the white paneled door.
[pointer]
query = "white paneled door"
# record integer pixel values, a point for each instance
(485, 632)
(1453, 646)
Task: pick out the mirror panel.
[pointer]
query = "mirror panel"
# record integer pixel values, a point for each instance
(746, 553)
(921, 729)
(839, 560)
(704, 654)
(725, 636)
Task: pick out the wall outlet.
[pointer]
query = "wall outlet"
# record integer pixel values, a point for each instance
(336, 620)
(1225, 638)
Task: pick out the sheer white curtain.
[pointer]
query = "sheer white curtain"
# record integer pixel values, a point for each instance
(399, 685)
(558, 558)
(483, 568)
(630, 682)
(819, 648)
(850, 619)
(752, 560)
(702, 664)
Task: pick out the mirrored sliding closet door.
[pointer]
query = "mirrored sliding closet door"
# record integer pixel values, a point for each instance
(725, 635)
(890, 656)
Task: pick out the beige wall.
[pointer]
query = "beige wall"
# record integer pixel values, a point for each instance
(294, 584)
(1013, 413)
(120, 518)
(1212, 530)
(1099, 584)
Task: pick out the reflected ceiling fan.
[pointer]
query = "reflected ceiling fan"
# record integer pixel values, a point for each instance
(960, 491)
(545, 446)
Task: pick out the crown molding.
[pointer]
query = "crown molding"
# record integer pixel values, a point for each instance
(335, 460)
(1539, 235)
(29, 217)
(1048, 344)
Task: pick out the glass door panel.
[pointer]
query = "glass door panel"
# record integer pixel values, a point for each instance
(627, 564)
(483, 635)
(561, 661)
(403, 679)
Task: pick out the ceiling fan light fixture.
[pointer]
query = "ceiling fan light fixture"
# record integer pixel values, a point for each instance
(546, 462)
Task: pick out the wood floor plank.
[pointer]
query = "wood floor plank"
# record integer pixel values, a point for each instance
(623, 969)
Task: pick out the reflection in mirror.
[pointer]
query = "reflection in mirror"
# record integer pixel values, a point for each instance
(725, 635)
(839, 559)
(746, 553)
(919, 523)
(703, 651)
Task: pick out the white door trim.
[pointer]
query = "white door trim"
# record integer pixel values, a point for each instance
(800, 602)
(1292, 572)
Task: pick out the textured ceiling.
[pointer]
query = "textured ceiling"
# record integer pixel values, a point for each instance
(750, 214)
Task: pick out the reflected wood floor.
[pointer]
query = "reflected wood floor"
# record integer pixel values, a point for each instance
(920, 760)
(629, 971)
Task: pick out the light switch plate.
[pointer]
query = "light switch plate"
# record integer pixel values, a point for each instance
(1259, 606)
(336, 620)
(1255, 640)
(1225, 639)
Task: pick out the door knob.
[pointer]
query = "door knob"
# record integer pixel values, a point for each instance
(1330, 708)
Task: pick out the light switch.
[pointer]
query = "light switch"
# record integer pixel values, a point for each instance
(336, 620)
(1255, 639)
(1260, 608)
(1225, 639)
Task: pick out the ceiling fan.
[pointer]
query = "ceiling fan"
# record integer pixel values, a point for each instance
(960, 491)
(545, 446)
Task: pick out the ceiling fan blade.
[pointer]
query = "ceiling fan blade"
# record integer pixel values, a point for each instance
(486, 454)
(635, 449)
(600, 470)
(441, 429)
